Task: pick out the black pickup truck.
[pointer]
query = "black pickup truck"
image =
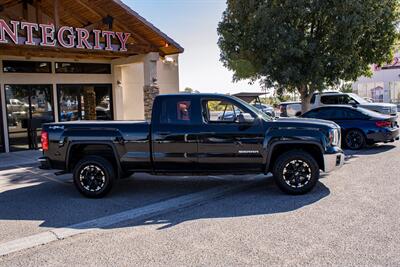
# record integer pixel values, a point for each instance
(189, 134)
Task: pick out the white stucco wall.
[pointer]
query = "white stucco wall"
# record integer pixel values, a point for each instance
(168, 75)
(132, 91)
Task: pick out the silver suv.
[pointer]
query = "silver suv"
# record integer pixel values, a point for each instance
(337, 98)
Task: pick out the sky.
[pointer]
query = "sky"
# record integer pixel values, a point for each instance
(193, 24)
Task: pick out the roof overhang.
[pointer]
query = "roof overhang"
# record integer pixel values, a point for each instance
(92, 16)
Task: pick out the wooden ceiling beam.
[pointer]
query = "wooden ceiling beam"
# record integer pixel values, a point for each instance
(70, 13)
(102, 14)
(11, 4)
(38, 11)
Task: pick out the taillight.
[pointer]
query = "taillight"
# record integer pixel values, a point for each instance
(45, 140)
(383, 124)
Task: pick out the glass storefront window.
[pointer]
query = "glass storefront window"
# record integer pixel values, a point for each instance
(86, 68)
(85, 102)
(28, 107)
(26, 66)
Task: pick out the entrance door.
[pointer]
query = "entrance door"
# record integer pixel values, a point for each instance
(28, 107)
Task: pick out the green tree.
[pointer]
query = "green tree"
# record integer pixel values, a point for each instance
(306, 45)
(190, 90)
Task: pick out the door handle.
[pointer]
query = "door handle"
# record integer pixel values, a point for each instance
(207, 133)
(164, 133)
(120, 140)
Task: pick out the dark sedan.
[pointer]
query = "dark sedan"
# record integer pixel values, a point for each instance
(359, 126)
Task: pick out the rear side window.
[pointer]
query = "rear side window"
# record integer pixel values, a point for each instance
(355, 115)
(312, 114)
(175, 111)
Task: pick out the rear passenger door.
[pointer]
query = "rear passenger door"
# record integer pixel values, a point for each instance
(226, 143)
(174, 134)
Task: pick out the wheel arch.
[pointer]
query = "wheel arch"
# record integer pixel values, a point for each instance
(313, 148)
(78, 150)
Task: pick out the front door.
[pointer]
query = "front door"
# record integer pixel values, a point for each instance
(231, 139)
(28, 107)
(174, 135)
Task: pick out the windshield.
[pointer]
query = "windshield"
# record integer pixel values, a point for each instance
(258, 112)
(359, 99)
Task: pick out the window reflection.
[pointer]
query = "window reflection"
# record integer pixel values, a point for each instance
(85, 102)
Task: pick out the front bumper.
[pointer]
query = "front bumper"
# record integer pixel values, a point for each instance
(333, 161)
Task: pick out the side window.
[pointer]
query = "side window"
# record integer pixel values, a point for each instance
(344, 99)
(176, 111)
(330, 100)
(354, 115)
(312, 101)
(312, 114)
(221, 111)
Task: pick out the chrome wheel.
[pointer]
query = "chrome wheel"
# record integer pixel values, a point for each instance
(92, 178)
(297, 173)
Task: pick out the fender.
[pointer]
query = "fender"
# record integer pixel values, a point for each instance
(270, 147)
(107, 143)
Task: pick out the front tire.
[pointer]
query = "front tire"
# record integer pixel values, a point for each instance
(296, 172)
(94, 176)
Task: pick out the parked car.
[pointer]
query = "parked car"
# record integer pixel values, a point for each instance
(254, 99)
(183, 138)
(337, 98)
(359, 126)
(290, 109)
(269, 110)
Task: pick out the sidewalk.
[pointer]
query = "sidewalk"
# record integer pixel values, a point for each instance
(21, 158)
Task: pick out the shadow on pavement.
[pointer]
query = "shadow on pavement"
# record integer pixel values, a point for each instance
(263, 200)
(370, 150)
(60, 205)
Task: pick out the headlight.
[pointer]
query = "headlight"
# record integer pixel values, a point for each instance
(334, 137)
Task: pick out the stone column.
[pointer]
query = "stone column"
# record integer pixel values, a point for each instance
(150, 88)
(150, 93)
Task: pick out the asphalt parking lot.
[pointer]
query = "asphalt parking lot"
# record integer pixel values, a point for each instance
(351, 218)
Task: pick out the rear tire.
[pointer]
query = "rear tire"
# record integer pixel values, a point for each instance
(94, 176)
(296, 172)
(354, 139)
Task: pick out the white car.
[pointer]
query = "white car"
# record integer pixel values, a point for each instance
(338, 98)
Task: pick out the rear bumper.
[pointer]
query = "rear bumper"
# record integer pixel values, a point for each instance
(333, 161)
(44, 163)
(384, 136)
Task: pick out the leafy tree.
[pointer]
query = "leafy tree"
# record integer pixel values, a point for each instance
(190, 90)
(306, 45)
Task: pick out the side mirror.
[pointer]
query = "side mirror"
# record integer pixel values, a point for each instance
(245, 118)
(352, 102)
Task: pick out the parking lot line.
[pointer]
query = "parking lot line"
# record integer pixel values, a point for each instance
(129, 215)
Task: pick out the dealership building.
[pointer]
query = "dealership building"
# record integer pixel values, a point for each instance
(383, 85)
(66, 60)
